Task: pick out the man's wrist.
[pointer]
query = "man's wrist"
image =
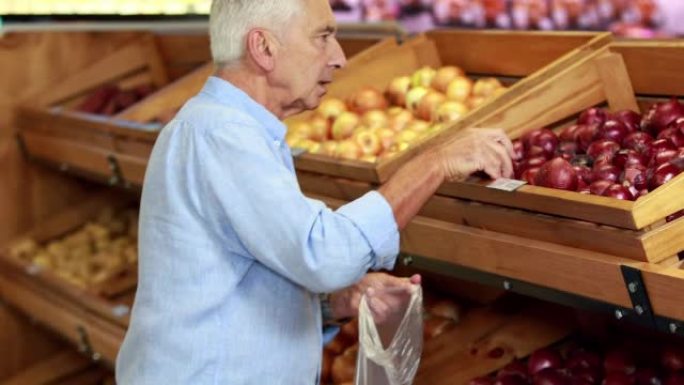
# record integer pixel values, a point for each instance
(329, 318)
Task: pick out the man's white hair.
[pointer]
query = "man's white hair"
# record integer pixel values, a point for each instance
(230, 20)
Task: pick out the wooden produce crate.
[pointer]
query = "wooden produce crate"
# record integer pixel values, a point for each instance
(65, 367)
(87, 254)
(601, 77)
(509, 56)
(57, 125)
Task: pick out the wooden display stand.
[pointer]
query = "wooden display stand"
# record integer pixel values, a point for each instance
(516, 57)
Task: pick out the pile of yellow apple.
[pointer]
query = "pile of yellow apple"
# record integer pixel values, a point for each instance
(98, 251)
(372, 125)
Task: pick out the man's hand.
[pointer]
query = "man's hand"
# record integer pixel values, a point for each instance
(487, 150)
(386, 294)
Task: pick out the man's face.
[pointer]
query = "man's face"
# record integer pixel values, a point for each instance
(306, 57)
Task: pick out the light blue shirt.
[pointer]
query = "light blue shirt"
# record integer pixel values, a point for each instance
(233, 256)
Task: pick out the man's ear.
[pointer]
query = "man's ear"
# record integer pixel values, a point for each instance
(261, 48)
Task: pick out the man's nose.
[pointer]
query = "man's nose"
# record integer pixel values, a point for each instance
(337, 57)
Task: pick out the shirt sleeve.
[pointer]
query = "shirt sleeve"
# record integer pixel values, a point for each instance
(248, 191)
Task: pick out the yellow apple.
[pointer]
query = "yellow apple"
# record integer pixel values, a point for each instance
(369, 158)
(413, 98)
(398, 118)
(320, 128)
(344, 125)
(397, 90)
(486, 86)
(366, 99)
(416, 126)
(406, 136)
(374, 118)
(428, 105)
(423, 76)
(476, 101)
(450, 110)
(348, 149)
(444, 76)
(369, 141)
(331, 108)
(329, 147)
(386, 136)
(459, 89)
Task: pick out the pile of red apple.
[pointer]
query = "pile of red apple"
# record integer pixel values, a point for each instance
(112, 99)
(622, 155)
(371, 124)
(612, 365)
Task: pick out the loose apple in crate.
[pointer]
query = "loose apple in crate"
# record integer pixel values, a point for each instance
(331, 108)
(450, 110)
(486, 87)
(398, 118)
(397, 90)
(428, 104)
(459, 89)
(375, 119)
(369, 142)
(344, 125)
(413, 98)
(423, 76)
(297, 131)
(320, 128)
(444, 76)
(366, 99)
(348, 149)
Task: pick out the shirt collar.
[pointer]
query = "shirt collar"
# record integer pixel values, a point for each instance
(227, 94)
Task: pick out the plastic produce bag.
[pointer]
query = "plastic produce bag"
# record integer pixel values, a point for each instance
(389, 354)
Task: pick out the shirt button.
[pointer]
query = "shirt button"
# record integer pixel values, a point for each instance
(277, 143)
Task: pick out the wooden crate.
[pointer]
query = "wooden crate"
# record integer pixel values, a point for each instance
(507, 55)
(601, 77)
(110, 298)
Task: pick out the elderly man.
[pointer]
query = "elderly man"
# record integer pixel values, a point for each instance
(233, 258)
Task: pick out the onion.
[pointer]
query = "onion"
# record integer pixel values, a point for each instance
(543, 359)
(672, 358)
(583, 359)
(647, 376)
(663, 156)
(619, 191)
(510, 380)
(529, 163)
(592, 116)
(585, 135)
(550, 376)
(619, 361)
(535, 151)
(674, 135)
(635, 177)
(529, 175)
(675, 379)
(599, 186)
(657, 146)
(613, 129)
(605, 172)
(569, 133)
(515, 368)
(631, 119)
(482, 381)
(544, 138)
(567, 148)
(583, 174)
(660, 115)
(619, 378)
(518, 149)
(590, 374)
(603, 147)
(662, 174)
(637, 141)
(629, 158)
(674, 216)
(557, 173)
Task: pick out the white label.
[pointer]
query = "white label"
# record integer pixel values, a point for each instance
(297, 151)
(507, 184)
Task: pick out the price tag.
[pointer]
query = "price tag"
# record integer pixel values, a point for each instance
(506, 184)
(297, 151)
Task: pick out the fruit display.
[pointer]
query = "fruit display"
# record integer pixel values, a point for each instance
(623, 155)
(372, 125)
(339, 356)
(96, 252)
(111, 99)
